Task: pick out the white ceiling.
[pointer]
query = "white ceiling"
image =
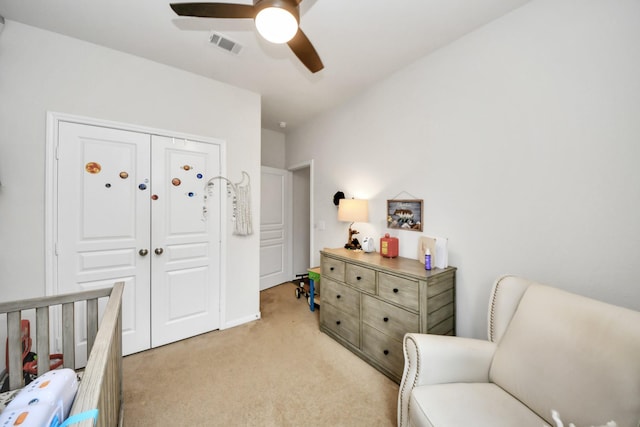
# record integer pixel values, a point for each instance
(360, 42)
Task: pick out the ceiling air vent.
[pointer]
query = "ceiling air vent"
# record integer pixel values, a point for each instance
(224, 43)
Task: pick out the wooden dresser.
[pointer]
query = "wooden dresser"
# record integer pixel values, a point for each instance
(370, 302)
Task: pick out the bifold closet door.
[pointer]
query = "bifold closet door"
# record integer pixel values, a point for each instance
(103, 231)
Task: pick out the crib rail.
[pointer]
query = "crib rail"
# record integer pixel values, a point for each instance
(41, 305)
(101, 385)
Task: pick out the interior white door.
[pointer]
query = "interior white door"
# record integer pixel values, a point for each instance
(103, 222)
(185, 278)
(275, 227)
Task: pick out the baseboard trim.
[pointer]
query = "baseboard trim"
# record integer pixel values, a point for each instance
(241, 321)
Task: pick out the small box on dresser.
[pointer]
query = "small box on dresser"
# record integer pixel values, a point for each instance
(370, 302)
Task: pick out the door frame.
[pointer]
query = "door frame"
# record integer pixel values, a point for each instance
(303, 165)
(51, 192)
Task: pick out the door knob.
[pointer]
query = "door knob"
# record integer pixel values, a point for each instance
(159, 251)
(143, 252)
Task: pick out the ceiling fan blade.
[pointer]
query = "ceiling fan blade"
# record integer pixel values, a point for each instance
(304, 50)
(214, 10)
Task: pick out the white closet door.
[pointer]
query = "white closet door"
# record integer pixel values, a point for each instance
(103, 210)
(185, 278)
(130, 208)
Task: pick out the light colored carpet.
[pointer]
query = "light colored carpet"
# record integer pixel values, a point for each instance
(277, 371)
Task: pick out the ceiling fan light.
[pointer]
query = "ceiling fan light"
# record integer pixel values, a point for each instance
(276, 25)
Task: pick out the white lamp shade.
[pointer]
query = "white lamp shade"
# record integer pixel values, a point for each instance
(276, 25)
(353, 210)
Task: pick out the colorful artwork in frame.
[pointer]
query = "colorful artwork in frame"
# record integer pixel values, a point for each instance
(405, 214)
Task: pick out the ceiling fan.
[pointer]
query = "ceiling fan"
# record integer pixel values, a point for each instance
(276, 20)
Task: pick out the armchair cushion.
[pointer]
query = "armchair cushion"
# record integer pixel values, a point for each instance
(436, 359)
(468, 404)
(574, 354)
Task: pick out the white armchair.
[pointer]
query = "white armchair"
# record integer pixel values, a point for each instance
(546, 349)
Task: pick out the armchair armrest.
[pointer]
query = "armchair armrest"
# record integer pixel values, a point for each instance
(438, 359)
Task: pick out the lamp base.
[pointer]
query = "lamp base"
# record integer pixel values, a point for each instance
(352, 243)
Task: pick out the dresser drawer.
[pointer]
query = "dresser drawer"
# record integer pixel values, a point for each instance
(383, 349)
(333, 268)
(341, 323)
(388, 319)
(341, 297)
(361, 277)
(399, 290)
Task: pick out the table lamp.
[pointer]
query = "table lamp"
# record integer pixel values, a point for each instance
(353, 210)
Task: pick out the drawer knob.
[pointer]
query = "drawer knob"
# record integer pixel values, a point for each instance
(395, 290)
(337, 322)
(386, 352)
(338, 296)
(358, 278)
(386, 319)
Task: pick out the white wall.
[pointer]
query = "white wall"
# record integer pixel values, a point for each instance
(523, 140)
(42, 71)
(273, 149)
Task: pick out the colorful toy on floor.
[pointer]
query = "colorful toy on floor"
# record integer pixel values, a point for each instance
(308, 286)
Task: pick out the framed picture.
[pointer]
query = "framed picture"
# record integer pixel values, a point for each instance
(404, 214)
